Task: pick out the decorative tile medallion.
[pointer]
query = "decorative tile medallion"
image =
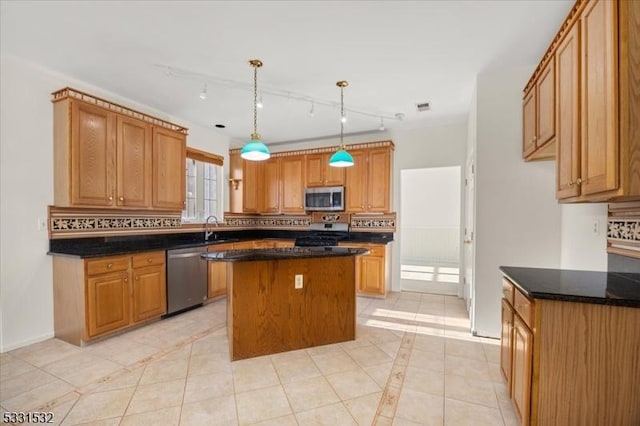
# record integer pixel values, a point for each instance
(296, 222)
(624, 230)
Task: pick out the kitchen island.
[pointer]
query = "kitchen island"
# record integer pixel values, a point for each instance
(289, 298)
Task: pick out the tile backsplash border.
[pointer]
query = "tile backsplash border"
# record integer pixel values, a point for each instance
(623, 229)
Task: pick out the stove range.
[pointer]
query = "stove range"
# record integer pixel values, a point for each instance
(323, 236)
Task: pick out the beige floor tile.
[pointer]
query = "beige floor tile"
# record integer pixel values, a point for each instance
(289, 420)
(13, 367)
(502, 393)
(359, 342)
(329, 415)
(60, 407)
(508, 413)
(390, 348)
(216, 411)
(254, 373)
(164, 370)
(389, 402)
(428, 343)
(156, 396)
(262, 404)
(420, 407)
(367, 356)
(214, 362)
(164, 416)
(334, 362)
(492, 351)
(124, 351)
(46, 352)
(427, 381)
(208, 386)
(427, 360)
(380, 373)
(458, 413)
(495, 373)
(379, 336)
(99, 406)
(178, 352)
(10, 388)
(466, 389)
(106, 422)
(404, 422)
(382, 421)
(352, 384)
(324, 349)
(32, 399)
(464, 349)
(297, 366)
(470, 368)
(123, 379)
(310, 393)
(363, 409)
(211, 344)
(81, 369)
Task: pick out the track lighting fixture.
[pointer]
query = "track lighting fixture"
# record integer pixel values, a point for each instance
(381, 128)
(203, 94)
(312, 111)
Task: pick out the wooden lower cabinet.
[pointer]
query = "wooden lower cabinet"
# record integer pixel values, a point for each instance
(372, 270)
(571, 363)
(217, 278)
(97, 296)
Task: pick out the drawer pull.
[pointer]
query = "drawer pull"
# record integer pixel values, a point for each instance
(137, 278)
(121, 198)
(149, 260)
(109, 265)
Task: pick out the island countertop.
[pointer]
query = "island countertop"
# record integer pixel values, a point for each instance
(249, 255)
(605, 288)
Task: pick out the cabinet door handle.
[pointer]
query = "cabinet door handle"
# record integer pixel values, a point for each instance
(534, 138)
(137, 278)
(579, 181)
(126, 279)
(149, 260)
(121, 198)
(109, 265)
(571, 183)
(110, 198)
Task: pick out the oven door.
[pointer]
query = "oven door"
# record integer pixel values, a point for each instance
(324, 199)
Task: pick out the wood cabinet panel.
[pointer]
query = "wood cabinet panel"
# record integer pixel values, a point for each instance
(356, 184)
(105, 265)
(252, 181)
(599, 155)
(568, 130)
(93, 156)
(372, 275)
(379, 180)
(149, 295)
(217, 278)
(292, 171)
(521, 377)
(133, 162)
(529, 123)
(270, 192)
(148, 259)
(546, 107)
(169, 159)
(107, 302)
(319, 173)
(506, 343)
(524, 307)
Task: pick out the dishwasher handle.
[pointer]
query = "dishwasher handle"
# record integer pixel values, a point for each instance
(183, 255)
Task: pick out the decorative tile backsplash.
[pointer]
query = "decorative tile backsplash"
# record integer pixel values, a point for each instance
(623, 229)
(374, 223)
(241, 221)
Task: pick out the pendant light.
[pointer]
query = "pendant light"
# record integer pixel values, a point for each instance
(255, 150)
(341, 158)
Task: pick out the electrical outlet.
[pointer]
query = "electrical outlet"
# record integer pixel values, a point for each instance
(298, 281)
(42, 224)
(596, 227)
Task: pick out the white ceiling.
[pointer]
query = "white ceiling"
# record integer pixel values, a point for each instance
(393, 53)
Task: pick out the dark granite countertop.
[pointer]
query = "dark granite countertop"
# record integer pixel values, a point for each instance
(281, 253)
(606, 288)
(110, 246)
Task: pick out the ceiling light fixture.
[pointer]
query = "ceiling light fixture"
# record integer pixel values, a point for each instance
(203, 94)
(341, 158)
(381, 128)
(255, 150)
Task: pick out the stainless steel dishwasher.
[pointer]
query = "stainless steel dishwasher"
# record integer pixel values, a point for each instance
(186, 279)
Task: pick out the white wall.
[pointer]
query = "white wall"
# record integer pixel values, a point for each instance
(581, 247)
(518, 221)
(26, 189)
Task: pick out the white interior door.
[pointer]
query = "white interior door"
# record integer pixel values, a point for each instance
(469, 237)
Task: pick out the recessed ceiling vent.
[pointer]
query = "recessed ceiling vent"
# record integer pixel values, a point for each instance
(424, 106)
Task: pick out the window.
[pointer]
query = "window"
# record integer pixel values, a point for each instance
(204, 192)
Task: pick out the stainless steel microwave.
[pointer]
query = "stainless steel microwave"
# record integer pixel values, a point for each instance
(329, 198)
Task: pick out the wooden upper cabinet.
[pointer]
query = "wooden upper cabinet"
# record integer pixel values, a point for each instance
(169, 159)
(133, 162)
(568, 119)
(368, 181)
(251, 182)
(270, 193)
(356, 184)
(109, 159)
(319, 173)
(529, 123)
(599, 155)
(93, 156)
(546, 105)
(292, 171)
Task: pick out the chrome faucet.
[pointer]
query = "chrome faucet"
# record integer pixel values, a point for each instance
(207, 229)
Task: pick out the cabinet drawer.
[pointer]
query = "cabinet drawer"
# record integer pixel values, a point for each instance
(107, 264)
(524, 307)
(220, 247)
(507, 290)
(148, 259)
(375, 250)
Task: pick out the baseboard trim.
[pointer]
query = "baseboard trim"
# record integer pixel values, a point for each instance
(27, 342)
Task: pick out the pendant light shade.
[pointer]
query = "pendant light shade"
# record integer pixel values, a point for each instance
(255, 150)
(341, 158)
